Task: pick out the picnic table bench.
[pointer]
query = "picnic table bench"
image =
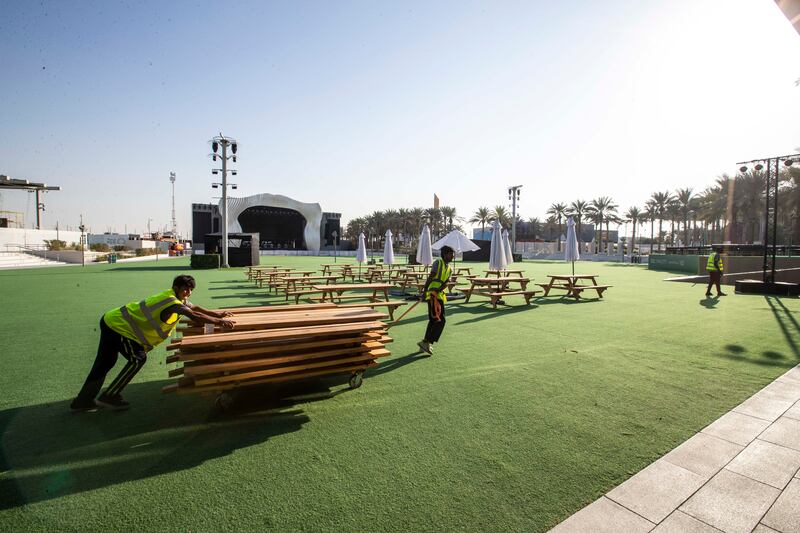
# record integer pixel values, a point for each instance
(335, 291)
(503, 273)
(497, 288)
(290, 283)
(569, 283)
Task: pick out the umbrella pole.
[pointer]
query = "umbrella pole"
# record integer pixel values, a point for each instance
(573, 268)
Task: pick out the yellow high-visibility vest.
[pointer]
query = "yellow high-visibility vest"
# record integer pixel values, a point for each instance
(141, 321)
(438, 283)
(710, 264)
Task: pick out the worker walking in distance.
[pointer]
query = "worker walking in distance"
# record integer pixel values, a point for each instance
(715, 269)
(434, 293)
(133, 330)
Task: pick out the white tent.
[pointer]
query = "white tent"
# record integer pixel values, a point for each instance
(571, 252)
(497, 252)
(388, 252)
(457, 241)
(424, 252)
(507, 248)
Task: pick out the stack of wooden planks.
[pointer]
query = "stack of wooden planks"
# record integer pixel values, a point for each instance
(277, 344)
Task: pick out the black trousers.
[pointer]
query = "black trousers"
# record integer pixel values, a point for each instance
(436, 320)
(714, 277)
(110, 346)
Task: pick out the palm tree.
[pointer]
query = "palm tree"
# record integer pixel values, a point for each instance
(633, 215)
(534, 222)
(434, 216)
(501, 215)
(558, 211)
(661, 200)
(482, 216)
(684, 198)
(650, 213)
(448, 214)
(578, 209)
(603, 206)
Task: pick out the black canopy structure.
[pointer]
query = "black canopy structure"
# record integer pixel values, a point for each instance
(7, 183)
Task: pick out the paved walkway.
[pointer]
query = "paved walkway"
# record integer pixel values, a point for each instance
(739, 474)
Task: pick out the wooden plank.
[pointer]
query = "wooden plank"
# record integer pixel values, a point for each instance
(256, 321)
(272, 348)
(363, 358)
(276, 308)
(237, 366)
(234, 337)
(346, 369)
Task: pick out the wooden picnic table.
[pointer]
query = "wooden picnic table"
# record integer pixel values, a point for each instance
(461, 270)
(340, 288)
(327, 269)
(270, 275)
(503, 273)
(570, 283)
(292, 281)
(496, 288)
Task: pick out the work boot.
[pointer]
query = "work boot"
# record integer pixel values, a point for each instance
(79, 404)
(708, 294)
(721, 294)
(425, 346)
(114, 402)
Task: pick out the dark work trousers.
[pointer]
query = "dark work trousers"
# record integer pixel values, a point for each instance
(714, 277)
(111, 344)
(435, 319)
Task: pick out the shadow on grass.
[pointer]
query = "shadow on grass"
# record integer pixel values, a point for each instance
(394, 364)
(48, 452)
(786, 322)
(709, 303)
(736, 352)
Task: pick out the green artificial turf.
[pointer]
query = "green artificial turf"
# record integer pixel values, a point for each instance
(522, 416)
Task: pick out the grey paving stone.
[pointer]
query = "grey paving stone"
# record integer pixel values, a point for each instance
(603, 516)
(679, 522)
(782, 390)
(785, 513)
(784, 431)
(763, 406)
(761, 528)
(794, 412)
(731, 502)
(657, 490)
(791, 375)
(703, 454)
(736, 427)
(768, 463)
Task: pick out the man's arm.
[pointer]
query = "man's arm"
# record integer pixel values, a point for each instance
(195, 314)
(209, 312)
(431, 277)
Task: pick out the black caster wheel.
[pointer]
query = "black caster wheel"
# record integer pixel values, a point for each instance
(224, 401)
(356, 380)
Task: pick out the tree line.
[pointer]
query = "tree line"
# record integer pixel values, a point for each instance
(732, 209)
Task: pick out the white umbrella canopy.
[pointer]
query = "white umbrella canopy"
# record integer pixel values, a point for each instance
(507, 248)
(361, 251)
(571, 252)
(388, 252)
(497, 252)
(424, 252)
(457, 241)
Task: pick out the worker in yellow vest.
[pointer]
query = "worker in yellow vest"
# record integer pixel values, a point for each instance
(434, 293)
(715, 268)
(133, 330)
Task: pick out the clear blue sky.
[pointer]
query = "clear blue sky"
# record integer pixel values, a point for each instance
(372, 105)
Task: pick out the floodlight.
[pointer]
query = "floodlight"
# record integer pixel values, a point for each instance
(789, 162)
(214, 146)
(759, 166)
(215, 171)
(742, 169)
(213, 185)
(233, 148)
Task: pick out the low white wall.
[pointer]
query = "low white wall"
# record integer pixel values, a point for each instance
(34, 237)
(67, 256)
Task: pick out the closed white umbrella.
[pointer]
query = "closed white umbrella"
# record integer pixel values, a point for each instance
(388, 252)
(507, 247)
(361, 252)
(424, 252)
(571, 252)
(497, 252)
